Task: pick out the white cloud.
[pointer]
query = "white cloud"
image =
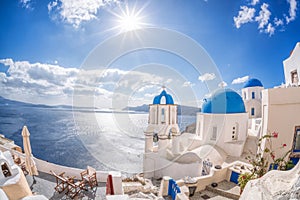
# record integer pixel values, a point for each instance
(270, 29)
(240, 80)
(222, 84)
(35, 78)
(245, 15)
(265, 23)
(207, 77)
(52, 84)
(26, 4)
(188, 84)
(254, 2)
(51, 5)
(278, 22)
(292, 11)
(263, 17)
(7, 61)
(75, 12)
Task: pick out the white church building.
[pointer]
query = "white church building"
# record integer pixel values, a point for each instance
(227, 127)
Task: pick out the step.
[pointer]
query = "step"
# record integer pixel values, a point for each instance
(226, 189)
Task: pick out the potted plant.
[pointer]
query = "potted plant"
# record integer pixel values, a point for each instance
(260, 162)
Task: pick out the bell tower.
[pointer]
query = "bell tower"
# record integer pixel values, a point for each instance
(252, 96)
(162, 124)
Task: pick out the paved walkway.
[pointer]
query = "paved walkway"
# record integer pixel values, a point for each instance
(45, 184)
(224, 190)
(207, 195)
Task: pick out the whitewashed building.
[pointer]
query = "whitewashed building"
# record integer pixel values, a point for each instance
(223, 122)
(252, 95)
(227, 128)
(162, 151)
(292, 67)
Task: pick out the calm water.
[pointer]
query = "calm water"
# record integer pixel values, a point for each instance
(106, 141)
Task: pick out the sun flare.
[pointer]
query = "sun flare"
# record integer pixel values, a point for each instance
(129, 18)
(130, 22)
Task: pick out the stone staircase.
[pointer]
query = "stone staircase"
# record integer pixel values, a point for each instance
(224, 190)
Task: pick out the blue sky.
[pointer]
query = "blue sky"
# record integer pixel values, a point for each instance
(44, 43)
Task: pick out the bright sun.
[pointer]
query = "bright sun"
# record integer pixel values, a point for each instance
(129, 19)
(129, 22)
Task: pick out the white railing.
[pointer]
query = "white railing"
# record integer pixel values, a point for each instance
(46, 167)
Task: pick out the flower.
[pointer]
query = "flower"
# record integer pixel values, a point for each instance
(273, 156)
(284, 145)
(275, 135)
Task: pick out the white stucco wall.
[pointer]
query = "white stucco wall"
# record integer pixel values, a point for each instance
(44, 166)
(252, 103)
(224, 124)
(155, 114)
(281, 108)
(292, 63)
(157, 167)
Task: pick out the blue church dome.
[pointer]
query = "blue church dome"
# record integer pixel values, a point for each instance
(169, 99)
(224, 101)
(253, 82)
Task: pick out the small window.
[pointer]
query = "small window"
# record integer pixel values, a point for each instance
(294, 76)
(155, 139)
(253, 95)
(163, 115)
(297, 140)
(252, 111)
(5, 170)
(214, 133)
(245, 95)
(235, 130)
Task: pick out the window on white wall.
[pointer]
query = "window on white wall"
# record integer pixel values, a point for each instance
(294, 76)
(252, 111)
(163, 120)
(245, 95)
(253, 95)
(235, 131)
(214, 133)
(297, 139)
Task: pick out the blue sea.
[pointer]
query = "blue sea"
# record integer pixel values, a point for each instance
(106, 141)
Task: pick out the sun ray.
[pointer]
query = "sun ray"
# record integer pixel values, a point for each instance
(129, 18)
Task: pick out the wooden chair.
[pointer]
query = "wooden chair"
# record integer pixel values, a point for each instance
(74, 188)
(61, 181)
(21, 164)
(90, 177)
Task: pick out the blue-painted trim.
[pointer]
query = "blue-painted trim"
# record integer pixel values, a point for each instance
(234, 177)
(224, 101)
(294, 160)
(253, 82)
(173, 189)
(169, 99)
(273, 167)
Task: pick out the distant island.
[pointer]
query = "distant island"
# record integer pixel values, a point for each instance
(181, 109)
